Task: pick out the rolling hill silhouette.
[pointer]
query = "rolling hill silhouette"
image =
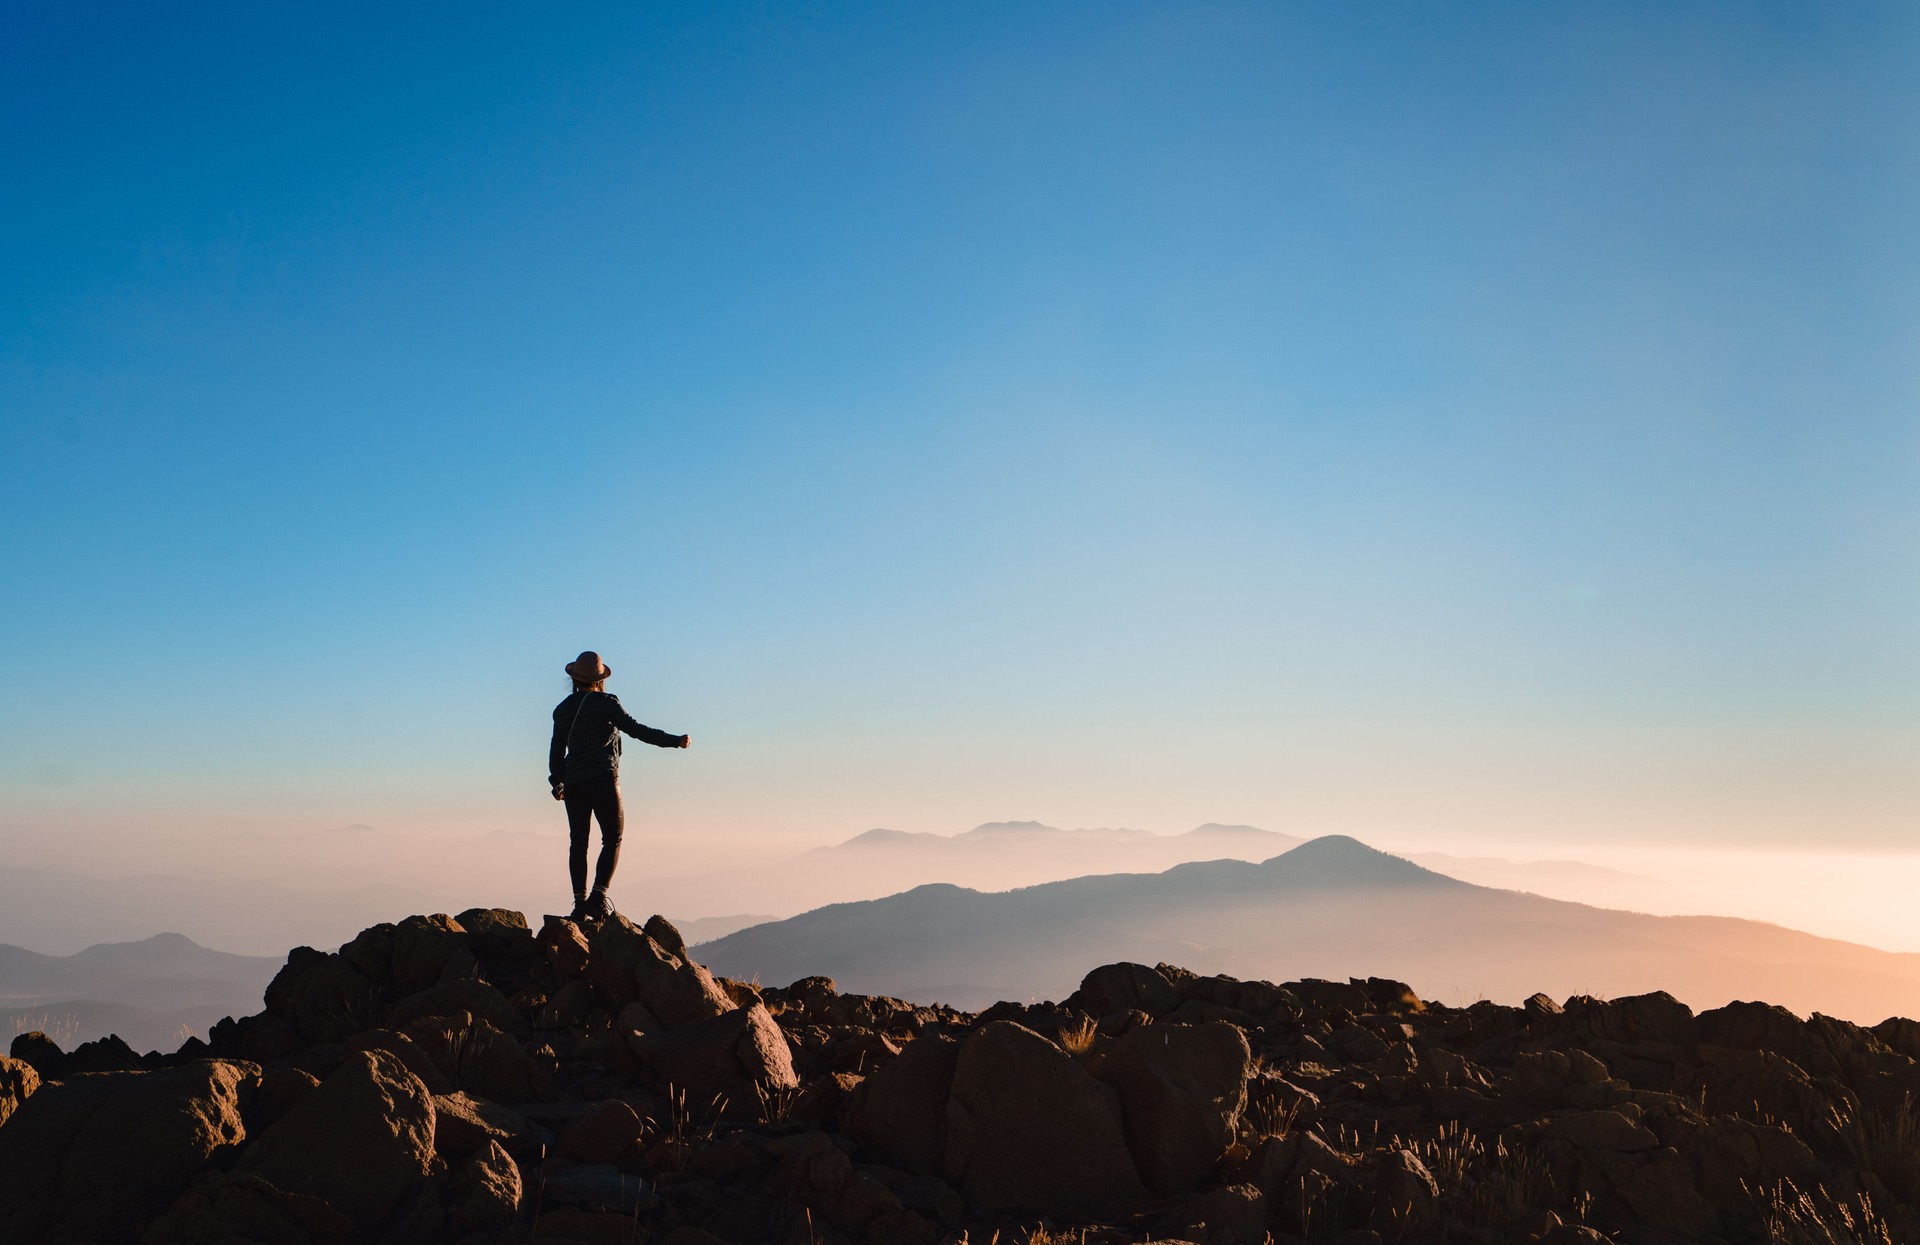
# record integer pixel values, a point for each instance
(146, 991)
(993, 856)
(1332, 907)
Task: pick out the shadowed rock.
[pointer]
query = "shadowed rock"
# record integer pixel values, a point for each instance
(1181, 1090)
(361, 1141)
(90, 1158)
(1029, 1129)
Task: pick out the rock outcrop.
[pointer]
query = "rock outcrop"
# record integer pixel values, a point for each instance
(464, 1080)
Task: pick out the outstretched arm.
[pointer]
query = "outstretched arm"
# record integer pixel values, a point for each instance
(556, 758)
(646, 734)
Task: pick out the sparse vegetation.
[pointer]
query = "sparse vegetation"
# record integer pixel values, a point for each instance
(1795, 1216)
(1883, 1141)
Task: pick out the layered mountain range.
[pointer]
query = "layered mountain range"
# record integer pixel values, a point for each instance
(1331, 907)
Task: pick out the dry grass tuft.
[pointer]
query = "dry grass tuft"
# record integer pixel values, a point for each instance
(1078, 1041)
(1794, 1216)
(1886, 1143)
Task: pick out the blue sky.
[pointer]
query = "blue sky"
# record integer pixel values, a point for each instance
(1492, 419)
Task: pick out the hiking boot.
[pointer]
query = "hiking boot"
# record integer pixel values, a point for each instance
(599, 906)
(579, 912)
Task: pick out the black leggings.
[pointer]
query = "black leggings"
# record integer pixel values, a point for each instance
(594, 797)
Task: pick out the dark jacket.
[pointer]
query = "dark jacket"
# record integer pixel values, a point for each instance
(586, 737)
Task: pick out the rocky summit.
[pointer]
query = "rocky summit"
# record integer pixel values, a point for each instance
(468, 1080)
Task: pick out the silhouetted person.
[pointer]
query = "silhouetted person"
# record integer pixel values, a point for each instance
(583, 767)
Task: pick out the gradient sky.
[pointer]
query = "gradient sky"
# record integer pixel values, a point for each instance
(1469, 420)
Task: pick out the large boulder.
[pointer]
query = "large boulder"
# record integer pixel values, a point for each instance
(224, 1208)
(1126, 987)
(1028, 1129)
(361, 1141)
(465, 994)
(87, 1158)
(901, 1110)
(42, 1052)
(408, 957)
(322, 998)
(485, 1192)
(651, 967)
(18, 1080)
(474, 1056)
(1181, 1089)
(463, 1124)
(108, 1054)
(1655, 1017)
(721, 1058)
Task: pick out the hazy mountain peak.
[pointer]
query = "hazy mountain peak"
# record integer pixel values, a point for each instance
(1010, 827)
(1214, 829)
(880, 835)
(1342, 860)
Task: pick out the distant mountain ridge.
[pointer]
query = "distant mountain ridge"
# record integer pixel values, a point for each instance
(145, 990)
(995, 855)
(1331, 907)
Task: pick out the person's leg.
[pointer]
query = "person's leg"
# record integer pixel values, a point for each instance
(612, 818)
(579, 811)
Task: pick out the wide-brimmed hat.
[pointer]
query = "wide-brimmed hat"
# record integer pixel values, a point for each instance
(588, 668)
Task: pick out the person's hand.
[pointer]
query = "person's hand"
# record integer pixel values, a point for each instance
(686, 741)
(560, 791)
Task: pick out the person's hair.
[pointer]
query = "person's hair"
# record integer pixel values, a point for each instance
(598, 685)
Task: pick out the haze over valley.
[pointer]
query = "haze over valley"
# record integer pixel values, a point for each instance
(1010, 909)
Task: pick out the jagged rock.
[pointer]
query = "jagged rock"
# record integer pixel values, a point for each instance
(1232, 1215)
(1181, 1092)
(474, 1056)
(41, 1052)
(633, 965)
(361, 1141)
(606, 1134)
(1657, 1017)
(485, 1190)
(1898, 1033)
(18, 1080)
(423, 946)
(409, 1052)
(1541, 1079)
(322, 998)
(722, 1058)
(280, 1091)
(1662, 1192)
(1028, 1128)
(602, 1188)
(1769, 1088)
(564, 944)
(1251, 998)
(1126, 987)
(1270, 1164)
(107, 1054)
(462, 995)
(1359, 1044)
(1441, 1068)
(89, 1158)
(1389, 995)
(463, 1124)
(226, 1207)
(901, 1110)
(635, 1018)
(1330, 996)
(1404, 1191)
